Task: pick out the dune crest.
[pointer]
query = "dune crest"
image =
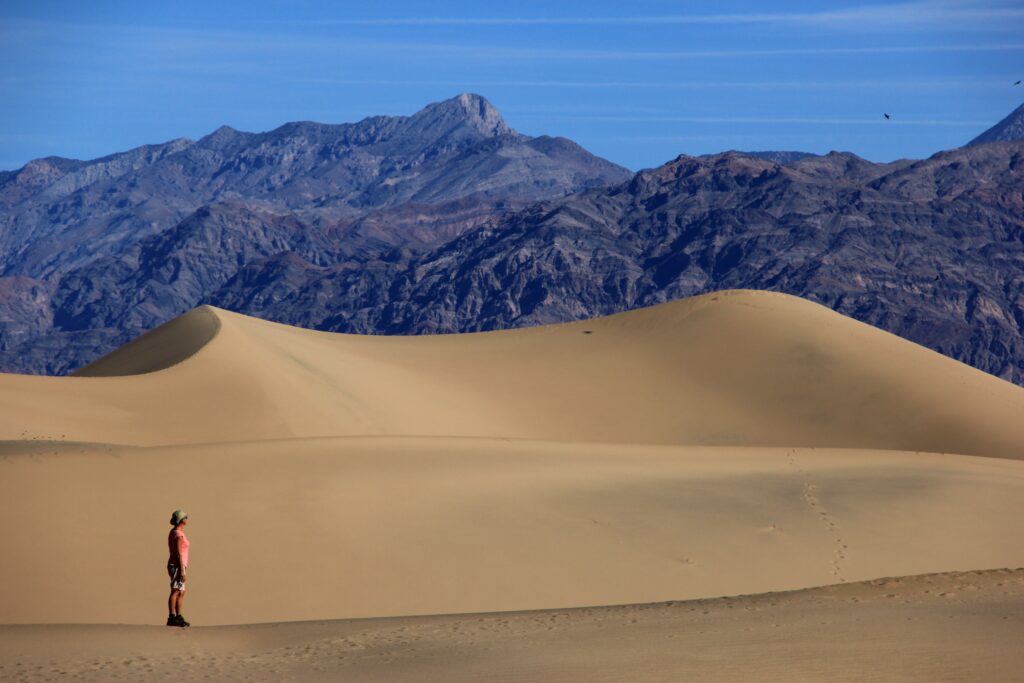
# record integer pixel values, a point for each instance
(173, 342)
(731, 368)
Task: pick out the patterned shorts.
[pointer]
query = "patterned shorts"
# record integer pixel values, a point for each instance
(177, 581)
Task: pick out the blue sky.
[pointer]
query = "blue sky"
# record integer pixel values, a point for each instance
(637, 83)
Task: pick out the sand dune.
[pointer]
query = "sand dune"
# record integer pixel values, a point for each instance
(733, 368)
(360, 527)
(735, 443)
(947, 627)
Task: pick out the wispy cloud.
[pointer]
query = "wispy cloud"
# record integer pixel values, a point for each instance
(249, 43)
(873, 16)
(681, 85)
(23, 137)
(232, 51)
(770, 52)
(770, 120)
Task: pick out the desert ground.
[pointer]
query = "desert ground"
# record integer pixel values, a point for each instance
(568, 502)
(930, 628)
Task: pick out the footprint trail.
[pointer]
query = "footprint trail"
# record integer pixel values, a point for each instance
(810, 497)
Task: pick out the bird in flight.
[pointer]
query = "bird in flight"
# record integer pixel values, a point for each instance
(886, 116)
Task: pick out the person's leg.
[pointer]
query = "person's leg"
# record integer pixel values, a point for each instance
(180, 617)
(171, 573)
(172, 607)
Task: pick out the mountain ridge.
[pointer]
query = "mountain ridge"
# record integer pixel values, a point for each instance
(927, 249)
(888, 244)
(355, 189)
(337, 171)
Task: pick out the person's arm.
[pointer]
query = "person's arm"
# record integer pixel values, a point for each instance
(181, 543)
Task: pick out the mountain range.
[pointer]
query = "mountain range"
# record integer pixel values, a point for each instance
(78, 239)
(448, 220)
(932, 250)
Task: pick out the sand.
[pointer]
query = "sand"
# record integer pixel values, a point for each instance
(932, 628)
(379, 526)
(739, 443)
(727, 369)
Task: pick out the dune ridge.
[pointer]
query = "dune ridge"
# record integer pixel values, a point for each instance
(731, 368)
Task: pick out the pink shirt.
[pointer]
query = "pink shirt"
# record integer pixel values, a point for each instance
(172, 545)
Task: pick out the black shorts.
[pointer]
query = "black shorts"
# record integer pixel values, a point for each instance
(177, 580)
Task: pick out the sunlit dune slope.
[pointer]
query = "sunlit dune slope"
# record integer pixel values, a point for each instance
(730, 368)
(355, 527)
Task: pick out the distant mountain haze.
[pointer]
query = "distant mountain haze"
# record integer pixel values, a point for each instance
(450, 221)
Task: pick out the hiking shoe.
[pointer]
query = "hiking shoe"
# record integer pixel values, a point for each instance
(180, 621)
(172, 620)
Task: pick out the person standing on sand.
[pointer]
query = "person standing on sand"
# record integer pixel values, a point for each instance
(177, 564)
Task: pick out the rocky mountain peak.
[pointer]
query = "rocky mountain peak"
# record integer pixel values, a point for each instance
(482, 115)
(686, 169)
(39, 171)
(467, 109)
(220, 137)
(1010, 128)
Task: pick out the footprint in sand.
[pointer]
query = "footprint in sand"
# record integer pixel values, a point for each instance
(810, 497)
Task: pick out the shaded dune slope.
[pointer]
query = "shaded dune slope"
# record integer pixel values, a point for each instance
(731, 368)
(159, 349)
